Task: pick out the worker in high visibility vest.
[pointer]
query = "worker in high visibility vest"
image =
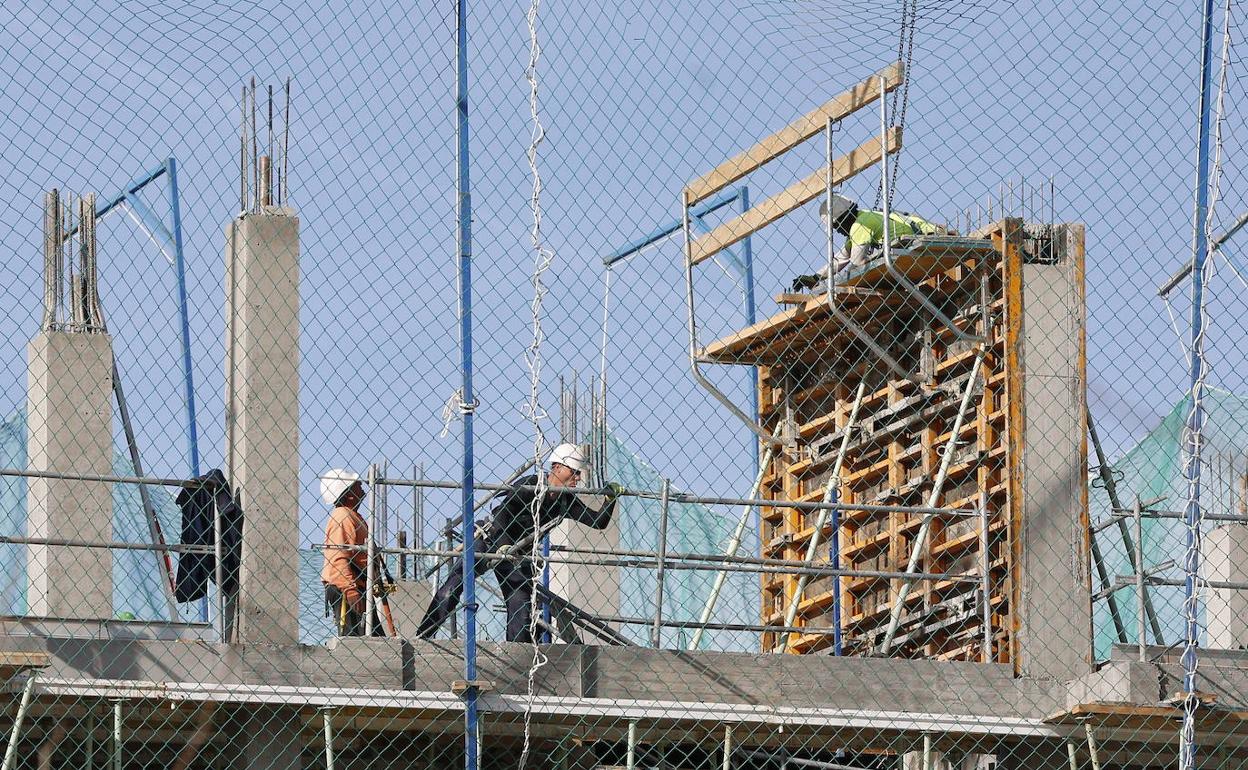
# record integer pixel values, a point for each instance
(864, 234)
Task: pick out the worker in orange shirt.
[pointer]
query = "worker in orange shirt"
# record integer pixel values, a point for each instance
(345, 574)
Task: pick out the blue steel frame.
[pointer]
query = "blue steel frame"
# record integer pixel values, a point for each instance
(464, 196)
(172, 247)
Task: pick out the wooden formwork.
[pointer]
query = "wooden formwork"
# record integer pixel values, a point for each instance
(811, 366)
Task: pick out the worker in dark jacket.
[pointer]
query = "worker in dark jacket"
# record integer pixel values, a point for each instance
(513, 524)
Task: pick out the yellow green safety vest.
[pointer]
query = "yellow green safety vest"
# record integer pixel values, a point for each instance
(868, 227)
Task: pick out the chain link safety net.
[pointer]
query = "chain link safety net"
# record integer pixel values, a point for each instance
(763, 385)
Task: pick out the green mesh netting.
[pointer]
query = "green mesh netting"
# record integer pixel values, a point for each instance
(691, 529)
(1152, 469)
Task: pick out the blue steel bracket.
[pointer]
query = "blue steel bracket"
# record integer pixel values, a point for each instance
(172, 250)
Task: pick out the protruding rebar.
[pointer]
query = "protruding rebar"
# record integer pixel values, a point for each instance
(242, 152)
(255, 149)
(51, 257)
(285, 149)
(266, 182)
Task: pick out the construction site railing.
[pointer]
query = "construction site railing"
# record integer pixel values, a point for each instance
(602, 557)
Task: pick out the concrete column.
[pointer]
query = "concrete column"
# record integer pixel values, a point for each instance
(69, 421)
(262, 418)
(1055, 612)
(593, 588)
(1226, 559)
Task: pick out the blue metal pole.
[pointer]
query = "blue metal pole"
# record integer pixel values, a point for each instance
(701, 210)
(471, 759)
(1195, 423)
(179, 265)
(747, 256)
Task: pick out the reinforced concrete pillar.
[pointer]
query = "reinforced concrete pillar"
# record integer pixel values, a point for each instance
(1226, 560)
(262, 418)
(593, 588)
(1053, 596)
(69, 421)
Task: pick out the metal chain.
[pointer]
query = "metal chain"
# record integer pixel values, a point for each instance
(900, 113)
(901, 96)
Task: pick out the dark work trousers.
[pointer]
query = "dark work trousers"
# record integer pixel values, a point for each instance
(515, 580)
(347, 621)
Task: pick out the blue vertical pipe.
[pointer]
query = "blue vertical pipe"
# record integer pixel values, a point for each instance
(1192, 514)
(544, 637)
(471, 759)
(751, 313)
(179, 265)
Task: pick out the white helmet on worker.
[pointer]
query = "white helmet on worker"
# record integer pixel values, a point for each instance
(571, 455)
(335, 483)
(840, 207)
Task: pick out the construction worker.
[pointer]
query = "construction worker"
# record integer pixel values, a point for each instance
(345, 573)
(864, 235)
(513, 524)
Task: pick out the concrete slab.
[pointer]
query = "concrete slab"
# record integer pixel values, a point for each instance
(1119, 681)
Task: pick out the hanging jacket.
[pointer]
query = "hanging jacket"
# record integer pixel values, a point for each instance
(197, 505)
(512, 519)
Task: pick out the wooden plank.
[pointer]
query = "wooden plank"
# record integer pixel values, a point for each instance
(794, 134)
(13, 663)
(1008, 238)
(796, 195)
(724, 349)
(10, 659)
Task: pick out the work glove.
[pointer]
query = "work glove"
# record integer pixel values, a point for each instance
(505, 549)
(614, 490)
(803, 282)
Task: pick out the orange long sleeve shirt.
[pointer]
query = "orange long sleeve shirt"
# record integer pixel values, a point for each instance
(346, 527)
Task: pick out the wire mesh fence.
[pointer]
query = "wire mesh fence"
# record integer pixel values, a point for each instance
(658, 385)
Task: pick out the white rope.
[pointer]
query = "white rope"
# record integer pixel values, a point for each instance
(452, 410)
(1184, 351)
(543, 257)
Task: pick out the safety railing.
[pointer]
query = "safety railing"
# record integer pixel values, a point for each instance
(661, 560)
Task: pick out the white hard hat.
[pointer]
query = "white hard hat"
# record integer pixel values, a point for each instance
(570, 455)
(840, 206)
(335, 483)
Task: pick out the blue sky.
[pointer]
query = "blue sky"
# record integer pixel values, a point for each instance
(637, 98)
